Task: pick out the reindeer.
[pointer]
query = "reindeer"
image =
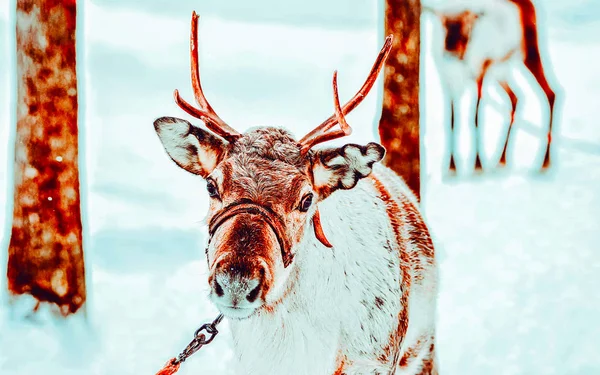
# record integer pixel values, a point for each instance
(484, 34)
(319, 257)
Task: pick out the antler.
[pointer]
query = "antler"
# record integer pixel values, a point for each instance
(205, 113)
(339, 116)
(322, 133)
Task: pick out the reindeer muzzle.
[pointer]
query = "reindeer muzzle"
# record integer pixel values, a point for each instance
(266, 214)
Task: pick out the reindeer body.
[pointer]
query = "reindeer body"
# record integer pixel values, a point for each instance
(490, 35)
(365, 306)
(477, 38)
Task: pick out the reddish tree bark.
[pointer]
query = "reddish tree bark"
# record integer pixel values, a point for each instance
(45, 255)
(399, 123)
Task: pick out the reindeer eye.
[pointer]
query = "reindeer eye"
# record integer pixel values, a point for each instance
(305, 202)
(212, 189)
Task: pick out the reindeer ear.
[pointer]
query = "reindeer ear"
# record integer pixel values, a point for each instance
(341, 168)
(193, 149)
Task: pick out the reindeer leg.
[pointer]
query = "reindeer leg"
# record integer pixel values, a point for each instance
(452, 136)
(513, 102)
(534, 64)
(478, 166)
(486, 65)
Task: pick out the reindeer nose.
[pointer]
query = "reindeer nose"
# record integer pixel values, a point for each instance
(237, 285)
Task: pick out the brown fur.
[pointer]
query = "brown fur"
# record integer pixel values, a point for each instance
(430, 364)
(246, 241)
(265, 167)
(458, 32)
(395, 214)
(341, 361)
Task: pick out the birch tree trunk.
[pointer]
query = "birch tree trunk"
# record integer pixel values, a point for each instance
(399, 123)
(45, 255)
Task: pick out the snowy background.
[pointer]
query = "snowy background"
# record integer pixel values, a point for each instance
(519, 253)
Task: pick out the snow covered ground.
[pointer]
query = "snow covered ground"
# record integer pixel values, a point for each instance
(519, 253)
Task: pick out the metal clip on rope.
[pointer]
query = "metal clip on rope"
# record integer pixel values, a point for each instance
(200, 339)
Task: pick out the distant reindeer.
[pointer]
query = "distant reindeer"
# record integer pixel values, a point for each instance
(320, 258)
(479, 35)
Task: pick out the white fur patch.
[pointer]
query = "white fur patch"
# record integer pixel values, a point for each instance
(354, 163)
(184, 147)
(322, 176)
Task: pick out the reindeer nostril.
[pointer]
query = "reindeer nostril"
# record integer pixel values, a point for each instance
(251, 297)
(218, 289)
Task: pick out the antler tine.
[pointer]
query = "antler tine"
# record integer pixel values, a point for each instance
(205, 113)
(339, 115)
(320, 132)
(195, 65)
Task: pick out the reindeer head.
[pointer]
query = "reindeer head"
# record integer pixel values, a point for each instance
(264, 189)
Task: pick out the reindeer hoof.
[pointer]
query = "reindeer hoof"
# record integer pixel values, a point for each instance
(452, 165)
(546, 164)
(478, 166)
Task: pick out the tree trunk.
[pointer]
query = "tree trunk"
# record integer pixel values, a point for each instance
(399, 123)
(45, 255)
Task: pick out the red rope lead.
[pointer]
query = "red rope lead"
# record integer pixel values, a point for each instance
(170, 367)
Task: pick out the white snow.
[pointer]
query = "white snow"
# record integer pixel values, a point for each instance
(519, 253)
